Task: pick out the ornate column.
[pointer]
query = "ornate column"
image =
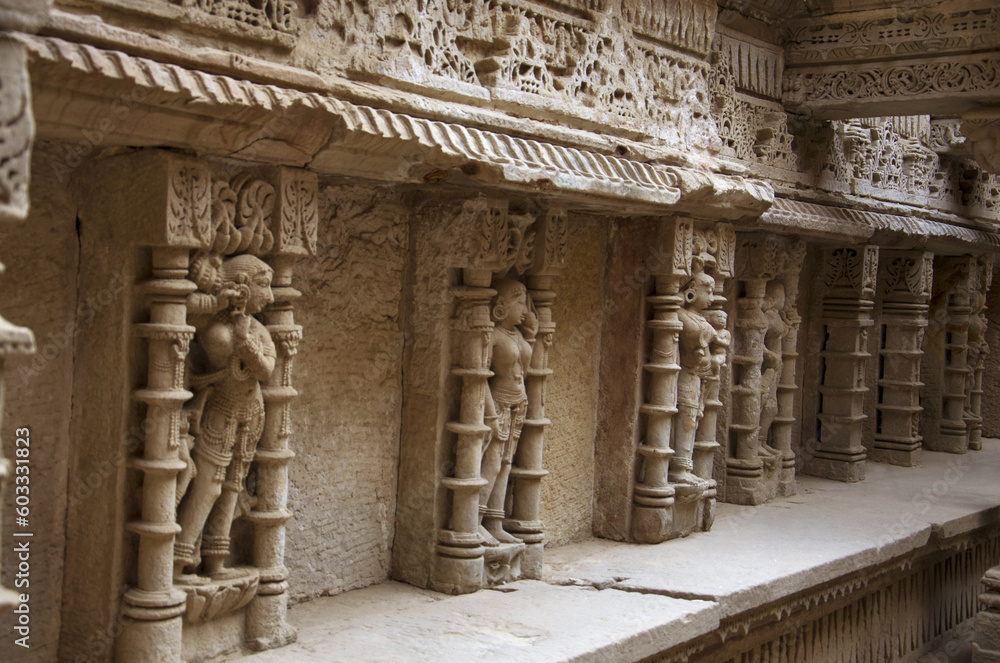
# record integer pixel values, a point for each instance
(706, 443)
(675, 494)
(978, 349)
(784, 422)
(953, 306)
(850, 275)
(757, 262)
(905, 279)
(653, 495)
(178, 219)
(294, 237)
(525, 519)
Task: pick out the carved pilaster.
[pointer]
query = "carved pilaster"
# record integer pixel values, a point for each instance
(850, 277)
(978, 349)
(905, 281)
(525, 518)
(294, 227)
(675, 494)
(760, 462)
(952, 309)
(783, 425)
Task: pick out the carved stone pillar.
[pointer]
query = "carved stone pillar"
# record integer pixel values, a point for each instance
(757, 262)
(905, 279)
(295, 237)
(525, 519)
(850, 275)
(782, 429)
(674, 501)
(947, 372)
(496, 432)
(978, 349)
(760, 463)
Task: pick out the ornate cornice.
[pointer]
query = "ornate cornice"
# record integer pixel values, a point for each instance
(389, 140)
(824, 221)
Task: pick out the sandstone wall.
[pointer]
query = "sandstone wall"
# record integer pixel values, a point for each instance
(571, 397)
(346, 420)
(41, 257)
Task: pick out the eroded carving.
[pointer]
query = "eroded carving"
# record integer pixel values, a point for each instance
(237, 355)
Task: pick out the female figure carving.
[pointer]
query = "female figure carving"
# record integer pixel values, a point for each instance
(237, 354)
(513, 335)
(777, 329)
(696, 343)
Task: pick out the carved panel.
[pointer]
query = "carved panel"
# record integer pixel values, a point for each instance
(17, 130)
(896, 35)
(853, 269)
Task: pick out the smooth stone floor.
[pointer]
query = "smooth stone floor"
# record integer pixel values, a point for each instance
(609, 601)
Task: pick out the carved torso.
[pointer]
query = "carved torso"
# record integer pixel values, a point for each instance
(694, 342)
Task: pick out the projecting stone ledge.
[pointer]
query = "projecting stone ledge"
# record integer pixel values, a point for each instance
(801, 577)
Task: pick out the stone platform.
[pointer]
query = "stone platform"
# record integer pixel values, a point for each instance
(766, 572)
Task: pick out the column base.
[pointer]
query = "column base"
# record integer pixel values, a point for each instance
(149, 642)
(849, 468)
(691, 510)
(502, 564)
(902, 457)
(752, 486)
(949, 441)
(266, 623)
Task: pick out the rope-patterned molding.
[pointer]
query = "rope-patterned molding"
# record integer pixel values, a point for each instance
(521, 159)
(859, 225)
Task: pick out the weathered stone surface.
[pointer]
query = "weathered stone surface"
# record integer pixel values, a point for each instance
(43, 255)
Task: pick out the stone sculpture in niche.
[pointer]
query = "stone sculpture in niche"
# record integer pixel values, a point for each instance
(506, 402)
(771, 368)
(237, 354)
(696, 343)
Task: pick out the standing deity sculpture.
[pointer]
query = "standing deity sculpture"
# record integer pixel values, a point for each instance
(234, 353)
(513, 335)
(699, 346)
(978, 347)
(774, 336)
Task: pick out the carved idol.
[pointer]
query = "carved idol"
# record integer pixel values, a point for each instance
(696, 343)
(506, 402)
(770, 374)
(978, 347)
(236, 354)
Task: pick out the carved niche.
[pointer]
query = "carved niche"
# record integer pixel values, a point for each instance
(760, 462)
(503, 333)
(221, 339)
(674, 492)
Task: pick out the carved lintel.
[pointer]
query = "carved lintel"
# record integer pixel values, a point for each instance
(296, 223)
(550, 242)
(852, 268)
(759, 258)
(911, 273)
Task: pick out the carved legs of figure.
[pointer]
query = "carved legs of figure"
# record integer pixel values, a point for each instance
(689, 412)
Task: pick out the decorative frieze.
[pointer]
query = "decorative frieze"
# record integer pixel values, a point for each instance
(675, 495)
(849, 276)
(503, 331)
(216, 399)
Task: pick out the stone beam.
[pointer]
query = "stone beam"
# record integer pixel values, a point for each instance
(894, 62)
